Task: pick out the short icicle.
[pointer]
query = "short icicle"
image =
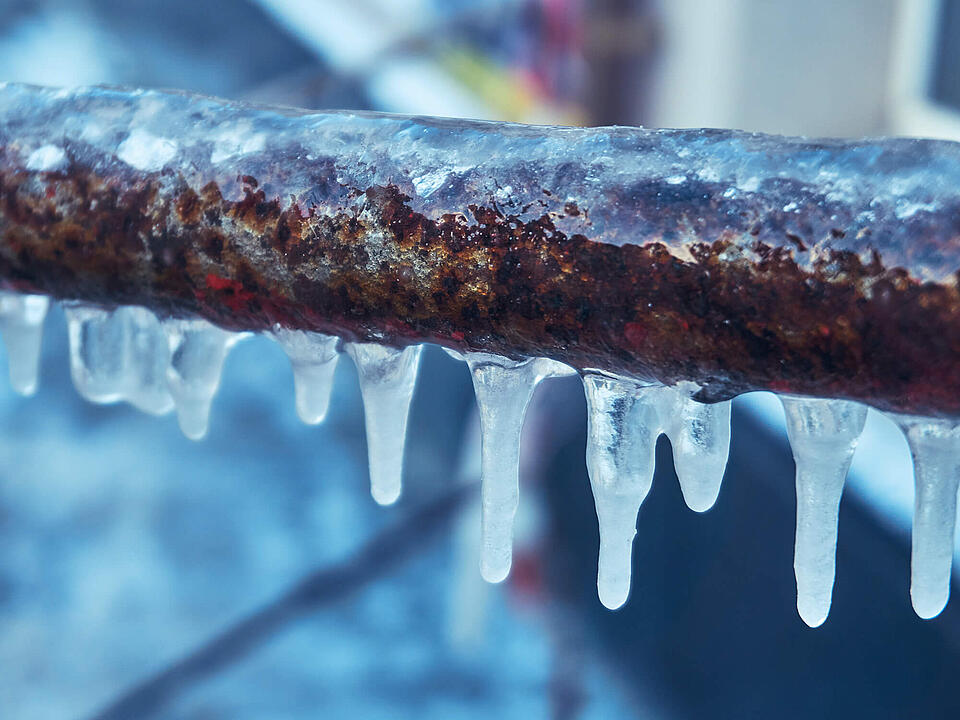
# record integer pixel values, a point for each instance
(148, 357)
(21, 324)
(623, 423)
(935, 446)
(823, 436)
(98, 356)
(387, 378)
(119, 354)
(503, 389)
(197, 352)
(313, 357)
(700, 436)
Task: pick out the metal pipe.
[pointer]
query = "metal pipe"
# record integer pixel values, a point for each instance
(737, 261)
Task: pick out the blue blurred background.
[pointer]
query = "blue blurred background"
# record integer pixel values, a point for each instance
(125, 548)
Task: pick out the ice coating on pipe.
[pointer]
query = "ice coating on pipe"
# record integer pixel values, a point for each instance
(823, 436)
(387, 378)
(935, 446)
(638, 252)
(21, 325)
(313, 357)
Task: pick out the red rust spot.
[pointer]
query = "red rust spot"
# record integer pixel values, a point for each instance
(218, 283)
(635, 334)
(398, 327)
(781, 386)
(236, 296)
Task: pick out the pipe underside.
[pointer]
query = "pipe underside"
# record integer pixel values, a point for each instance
(733, 260)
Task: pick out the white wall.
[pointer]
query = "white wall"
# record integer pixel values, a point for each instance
(800, 67)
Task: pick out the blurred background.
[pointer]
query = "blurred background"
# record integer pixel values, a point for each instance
(136, 565)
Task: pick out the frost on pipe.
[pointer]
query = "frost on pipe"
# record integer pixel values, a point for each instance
(700, 263)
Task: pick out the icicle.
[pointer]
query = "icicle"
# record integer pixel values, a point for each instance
(313, 357)
(197, 352)
(119, 354)
(97, 352)
(623, 423)
(387, 377)
(935, 446)
(823, 435)
(700, 436)
(21, 323)
(148, 357)
(503, 389)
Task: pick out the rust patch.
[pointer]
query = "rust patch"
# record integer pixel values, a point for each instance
(733, 311)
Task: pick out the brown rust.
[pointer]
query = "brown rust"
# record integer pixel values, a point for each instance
(728, 317)
(736, 261)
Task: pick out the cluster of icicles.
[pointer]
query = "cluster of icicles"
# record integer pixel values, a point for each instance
(128, 354)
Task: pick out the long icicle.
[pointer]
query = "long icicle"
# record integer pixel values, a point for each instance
(623, 423)
(387, 378)
(503, 389)
(935, 446)
(823, 435)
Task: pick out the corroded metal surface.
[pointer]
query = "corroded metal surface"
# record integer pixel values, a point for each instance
(737, 261)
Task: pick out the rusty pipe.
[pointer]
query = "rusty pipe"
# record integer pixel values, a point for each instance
(738, 261)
